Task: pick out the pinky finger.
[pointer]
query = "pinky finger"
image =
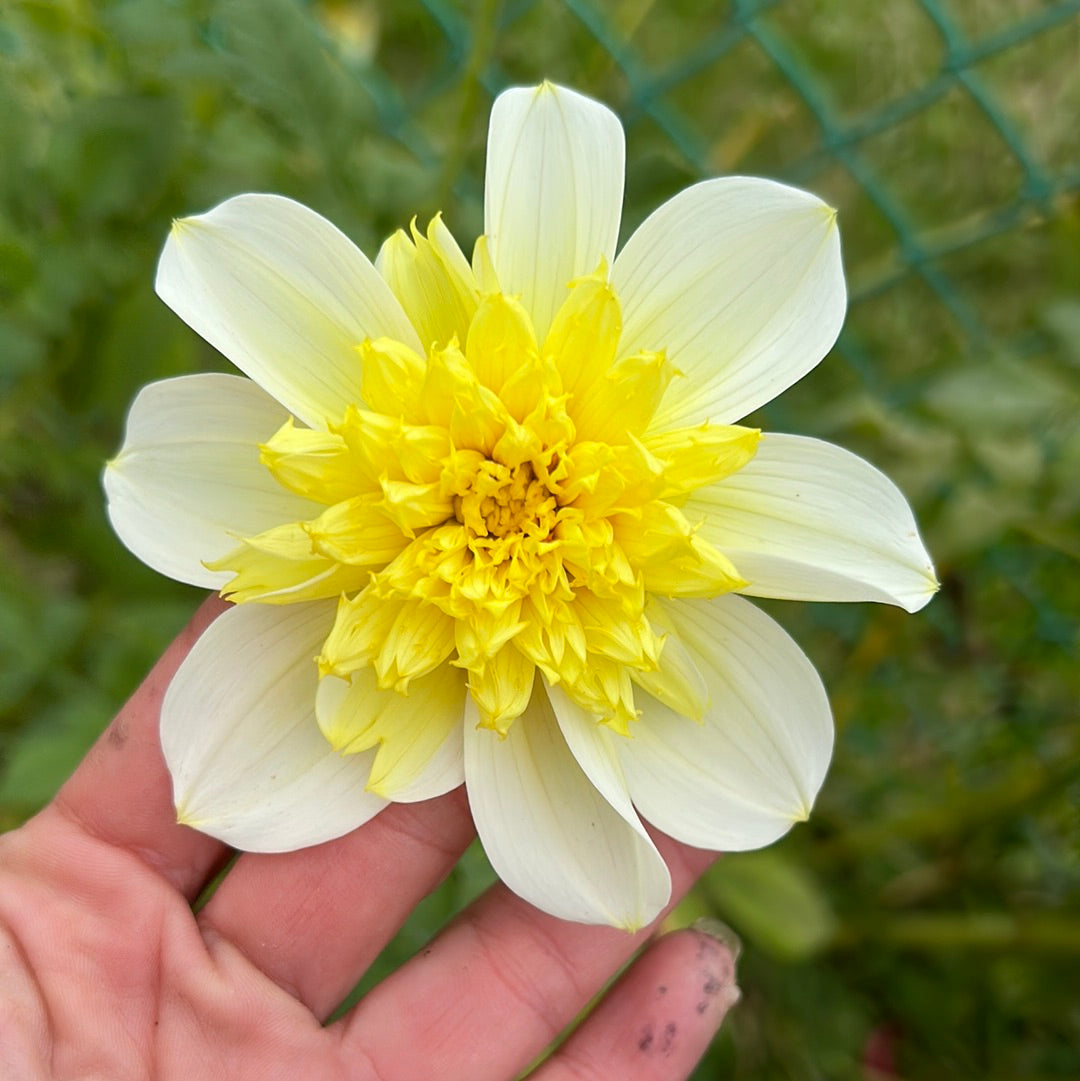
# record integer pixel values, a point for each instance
(657, 1021)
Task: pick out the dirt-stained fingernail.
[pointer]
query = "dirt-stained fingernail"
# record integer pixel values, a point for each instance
(714, 928)
(719, 988)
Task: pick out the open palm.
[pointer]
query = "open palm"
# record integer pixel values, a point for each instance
(106, 973)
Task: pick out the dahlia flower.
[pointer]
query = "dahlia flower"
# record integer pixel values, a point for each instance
(494, 522)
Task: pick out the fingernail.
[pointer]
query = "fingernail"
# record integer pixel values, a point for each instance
(717, 929)
(718, 972)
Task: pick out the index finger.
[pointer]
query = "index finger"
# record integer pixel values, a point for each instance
(121, 793)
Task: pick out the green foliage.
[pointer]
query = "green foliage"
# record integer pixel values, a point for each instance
(928, 912)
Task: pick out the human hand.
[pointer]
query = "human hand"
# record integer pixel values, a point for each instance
(106, 973)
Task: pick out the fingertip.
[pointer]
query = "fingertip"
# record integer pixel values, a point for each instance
(717, 957)
(660, 1017)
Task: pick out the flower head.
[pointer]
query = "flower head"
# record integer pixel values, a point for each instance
(490, 522)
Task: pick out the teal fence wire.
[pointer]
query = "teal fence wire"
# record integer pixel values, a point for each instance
(924, 923)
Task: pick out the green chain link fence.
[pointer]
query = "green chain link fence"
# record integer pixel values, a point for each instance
(927, 916)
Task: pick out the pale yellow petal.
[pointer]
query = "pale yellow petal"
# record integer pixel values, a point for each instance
(421, 638)
(408, 729)
(501, 341)
(584, 336)
(432, 280)
(552, 192)
(392, 378)
(502, 687)
(316, 464)
(357, 532)
(700, 455)
(281, 566)
(284, 295)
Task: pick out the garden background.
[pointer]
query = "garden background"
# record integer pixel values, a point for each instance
(924, 924)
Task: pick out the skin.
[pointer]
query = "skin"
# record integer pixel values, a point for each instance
(107, 974)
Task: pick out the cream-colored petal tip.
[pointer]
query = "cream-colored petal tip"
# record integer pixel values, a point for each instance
(180, 226)
(931, 588)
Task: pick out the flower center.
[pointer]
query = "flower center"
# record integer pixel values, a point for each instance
(504, 500)
(501, 510)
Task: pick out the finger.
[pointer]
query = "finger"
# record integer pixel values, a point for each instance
(122, 793)
(657, 1021)
(315, 919)
(492, 991)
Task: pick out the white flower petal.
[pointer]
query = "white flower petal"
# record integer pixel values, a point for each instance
(808, 520)
(745, 775)
(553, 193)
(248, 762)
(740, 281)
(285, 295)
(550, 834)
(593, 746)
(187, 480)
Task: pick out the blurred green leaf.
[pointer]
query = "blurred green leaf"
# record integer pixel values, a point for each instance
(772, 902)
(114, 155)
(37, 639)
(1003, 392)
(43, 757)
(1062, 318)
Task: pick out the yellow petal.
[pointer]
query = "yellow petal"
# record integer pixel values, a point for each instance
(501, 342)
(392, 378)
(455, 400)
(606, 691)
(429, 568)
(486, 631)
(602, 480)
(613, 632)
(703, 572)
(432, 280)
(622, 403)
(360, 628)
(407, 728)
(384, 447)
(694, 457)
(281, 566)
(676, 681)
(357, 532)
(421, 638)
(654, 534)
(312, 463)
(414, 507)
(584, 336)
(483, 268)
(502, 688)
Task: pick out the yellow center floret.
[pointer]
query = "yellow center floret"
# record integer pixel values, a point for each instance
(506, 501)
(502, 507)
